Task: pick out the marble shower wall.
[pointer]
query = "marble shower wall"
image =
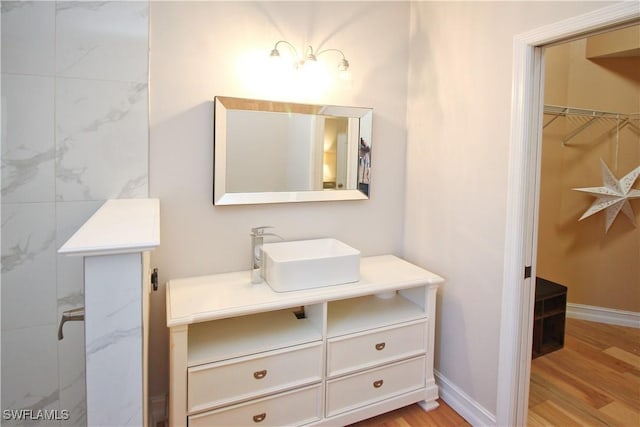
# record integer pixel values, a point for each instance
(74, 133)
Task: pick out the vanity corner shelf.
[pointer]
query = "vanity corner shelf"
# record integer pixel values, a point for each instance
(325, 356)
(549, 317)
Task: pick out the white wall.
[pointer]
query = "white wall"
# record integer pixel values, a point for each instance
(197, 52)
(457, 152)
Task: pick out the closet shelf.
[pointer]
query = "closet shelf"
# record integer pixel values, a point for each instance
(591, 116)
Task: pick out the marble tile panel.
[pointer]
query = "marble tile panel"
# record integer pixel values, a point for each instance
(101, 140)
(70, 216)
(30, 372)
(70, 272)
(28, 144)
(114, 340)
(119, 355)
(28, 265)
(28, 37)
(107, 40)
(71, 371)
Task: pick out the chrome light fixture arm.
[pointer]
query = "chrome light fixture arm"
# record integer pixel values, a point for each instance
(343, 65)
(276, 53)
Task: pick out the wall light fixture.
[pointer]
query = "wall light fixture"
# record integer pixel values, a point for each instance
(309, 56)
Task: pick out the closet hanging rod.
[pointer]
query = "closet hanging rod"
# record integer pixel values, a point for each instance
(558, 110)
(592, 116)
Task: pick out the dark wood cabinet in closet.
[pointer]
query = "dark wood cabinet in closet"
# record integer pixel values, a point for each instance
(549, 317)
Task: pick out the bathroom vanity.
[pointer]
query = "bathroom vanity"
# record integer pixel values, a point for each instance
(242, 354)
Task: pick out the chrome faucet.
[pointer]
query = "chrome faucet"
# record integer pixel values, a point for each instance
(257, 239)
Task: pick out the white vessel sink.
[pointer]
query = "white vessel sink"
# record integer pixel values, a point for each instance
(305, 264)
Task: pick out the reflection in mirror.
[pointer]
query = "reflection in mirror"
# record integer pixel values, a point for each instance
(272, 152)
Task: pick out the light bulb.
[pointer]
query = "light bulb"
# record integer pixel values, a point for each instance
(345, 75)
(309, 66)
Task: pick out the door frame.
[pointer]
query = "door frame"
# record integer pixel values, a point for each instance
(522, 199)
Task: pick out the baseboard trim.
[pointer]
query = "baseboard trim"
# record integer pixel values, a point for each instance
(463, 404)
(603, 315)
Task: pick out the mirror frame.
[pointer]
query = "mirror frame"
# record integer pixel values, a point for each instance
(221, 197)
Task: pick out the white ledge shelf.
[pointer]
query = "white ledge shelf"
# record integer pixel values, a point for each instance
(119, 226)
(115, 244)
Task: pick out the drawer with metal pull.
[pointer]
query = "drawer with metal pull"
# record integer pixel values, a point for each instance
(235, 380)
(372, 348)
(357, 390)
(296, 407)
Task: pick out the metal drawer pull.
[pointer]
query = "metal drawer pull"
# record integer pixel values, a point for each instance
(260, 375)
(378, 384)
(380, 346)
(260, 417)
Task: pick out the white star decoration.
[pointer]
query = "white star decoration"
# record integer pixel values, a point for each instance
(614, 196)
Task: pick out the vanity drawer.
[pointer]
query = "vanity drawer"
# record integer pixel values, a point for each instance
(286, 409)
(354, 391)
(372, 348)
(222, 383)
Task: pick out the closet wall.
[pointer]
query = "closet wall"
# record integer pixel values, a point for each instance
(600, 268)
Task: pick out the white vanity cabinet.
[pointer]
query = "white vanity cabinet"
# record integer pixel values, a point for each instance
(242, 354)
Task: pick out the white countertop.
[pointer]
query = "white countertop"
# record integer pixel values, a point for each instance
(119, 226)
(218, 296)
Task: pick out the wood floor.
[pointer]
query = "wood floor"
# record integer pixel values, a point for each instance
(593, 381)
(414, 416)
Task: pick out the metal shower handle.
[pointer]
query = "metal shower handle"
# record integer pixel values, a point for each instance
(75, 314)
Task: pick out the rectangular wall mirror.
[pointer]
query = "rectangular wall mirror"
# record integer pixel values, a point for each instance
(276, 152)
